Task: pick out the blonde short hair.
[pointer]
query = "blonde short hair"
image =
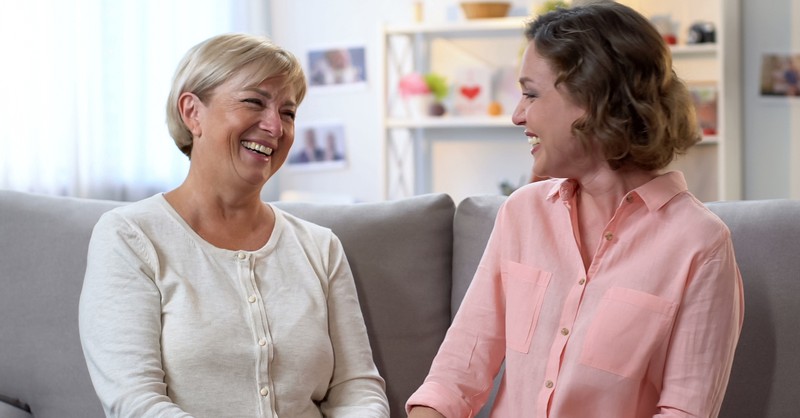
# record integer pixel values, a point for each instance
(216, 60)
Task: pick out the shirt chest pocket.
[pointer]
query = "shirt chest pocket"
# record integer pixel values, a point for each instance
(628, 328)
(524, 288)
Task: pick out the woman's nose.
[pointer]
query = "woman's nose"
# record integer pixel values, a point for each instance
(518, 117)
(271, 122)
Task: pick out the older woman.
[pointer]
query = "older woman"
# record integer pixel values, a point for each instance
(608, 289)
(206, 301)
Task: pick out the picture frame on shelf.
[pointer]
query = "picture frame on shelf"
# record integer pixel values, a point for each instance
(506, 90)
(705, 96)
(472, 89)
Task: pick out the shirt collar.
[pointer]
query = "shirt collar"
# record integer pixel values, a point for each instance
(655, 193)
(563, 189)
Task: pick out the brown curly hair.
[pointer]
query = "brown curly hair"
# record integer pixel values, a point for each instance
(616, 65)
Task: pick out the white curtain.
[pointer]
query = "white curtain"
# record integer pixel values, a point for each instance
(84, 87)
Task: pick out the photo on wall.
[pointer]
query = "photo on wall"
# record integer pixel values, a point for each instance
(318, 146)
(337, 67)
(780, 75)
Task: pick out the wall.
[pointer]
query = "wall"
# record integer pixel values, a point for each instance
(771, 126)
(355, 22)
(304, 25)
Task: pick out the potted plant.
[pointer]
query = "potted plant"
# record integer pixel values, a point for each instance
(438, 87)
(423, 94)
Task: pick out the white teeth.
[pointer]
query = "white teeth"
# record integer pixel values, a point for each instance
(534, 140)
(257, 147)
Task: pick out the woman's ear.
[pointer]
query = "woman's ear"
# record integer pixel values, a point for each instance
(189, 106)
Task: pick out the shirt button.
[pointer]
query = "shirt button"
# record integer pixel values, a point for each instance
(582, 281)
(252, 299)
(548, 384)
(564, 331)
(264, 391)
(608, 236)
(262, 342)
(242, 256)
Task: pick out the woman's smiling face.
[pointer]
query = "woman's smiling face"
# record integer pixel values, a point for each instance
(243, 132)
(547, 113)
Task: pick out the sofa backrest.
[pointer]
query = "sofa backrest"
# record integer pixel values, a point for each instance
(472, 225)
(42, 262)
(400, 254)
(765, 380)
(399, 251)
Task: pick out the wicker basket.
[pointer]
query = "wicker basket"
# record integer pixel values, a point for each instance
(485, 9)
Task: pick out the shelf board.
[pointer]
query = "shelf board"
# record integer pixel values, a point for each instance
(693, 49)
(494, 24)
(502, 121)
(709, 140)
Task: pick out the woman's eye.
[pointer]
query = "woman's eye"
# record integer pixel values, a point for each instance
(289, 114)
(529, 96)
(254, 101)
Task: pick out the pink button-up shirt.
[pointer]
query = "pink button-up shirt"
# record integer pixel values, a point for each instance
(649, 330)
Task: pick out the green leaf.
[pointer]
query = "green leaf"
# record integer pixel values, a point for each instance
(437, 84)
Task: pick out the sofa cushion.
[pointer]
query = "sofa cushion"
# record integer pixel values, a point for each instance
(765, 380)
(400, 254)
(8, 410)
(43, 259)
(13, 408)
(472, 225)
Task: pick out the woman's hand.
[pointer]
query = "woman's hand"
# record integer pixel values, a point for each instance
(424, 412)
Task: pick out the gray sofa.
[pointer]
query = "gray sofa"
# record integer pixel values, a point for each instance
(412, 259)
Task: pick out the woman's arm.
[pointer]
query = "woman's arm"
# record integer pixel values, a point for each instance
(424, 412)
(461, 377)
(120, 323)
(704, 339)
(356, 388)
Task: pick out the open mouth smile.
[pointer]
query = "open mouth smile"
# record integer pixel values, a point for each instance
(258, 148)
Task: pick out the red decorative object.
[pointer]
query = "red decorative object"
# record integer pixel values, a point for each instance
(470, 92)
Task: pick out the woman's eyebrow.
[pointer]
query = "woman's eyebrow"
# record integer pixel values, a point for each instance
(262, 92)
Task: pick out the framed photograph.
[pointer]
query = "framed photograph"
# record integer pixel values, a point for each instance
(780, 75)
(705, 96)
(337, 67)
(318, 146)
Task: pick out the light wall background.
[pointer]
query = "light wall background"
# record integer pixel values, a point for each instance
(771, 128)
(771, 150)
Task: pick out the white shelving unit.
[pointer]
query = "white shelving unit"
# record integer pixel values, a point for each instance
(407, 140)
(712, 168)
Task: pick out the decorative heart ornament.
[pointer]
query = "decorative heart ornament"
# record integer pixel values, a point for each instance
(470, 92)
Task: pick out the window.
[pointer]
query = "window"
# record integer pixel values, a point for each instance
(85, 82)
